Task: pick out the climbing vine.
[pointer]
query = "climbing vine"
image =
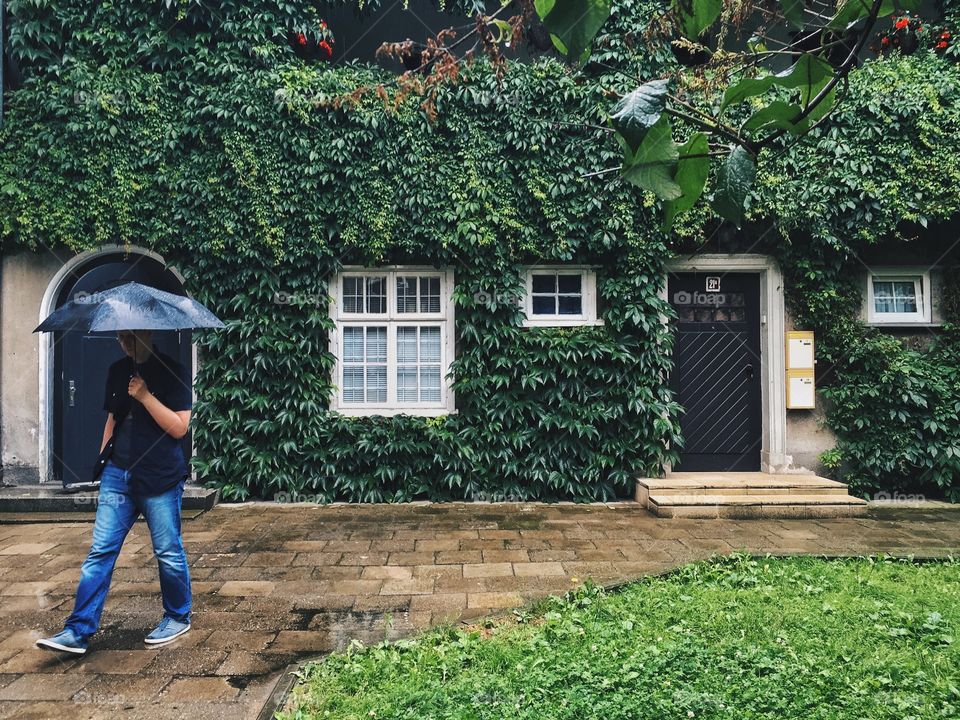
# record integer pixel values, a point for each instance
(260, 176)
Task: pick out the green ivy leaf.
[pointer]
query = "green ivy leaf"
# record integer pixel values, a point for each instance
(639, 111)
(652, 166)
(691, 176)
(573, 24)
(809, 73)
(734, 179)
(695, 16)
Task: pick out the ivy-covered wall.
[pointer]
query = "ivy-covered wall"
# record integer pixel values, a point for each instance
(257, 174)
(879, 187)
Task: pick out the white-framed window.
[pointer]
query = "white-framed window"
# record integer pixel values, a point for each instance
(898, 296)
(393, 340)
(560, 295)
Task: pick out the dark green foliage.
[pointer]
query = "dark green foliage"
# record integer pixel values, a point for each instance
(895, 409)
(259, 177)
(889, 164)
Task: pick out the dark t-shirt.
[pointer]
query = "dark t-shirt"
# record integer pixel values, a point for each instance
(153, 457)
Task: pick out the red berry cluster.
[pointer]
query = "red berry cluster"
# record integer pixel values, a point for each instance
(310, 48)
(907, 34)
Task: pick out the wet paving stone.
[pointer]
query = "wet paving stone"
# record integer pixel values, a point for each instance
(277, 584)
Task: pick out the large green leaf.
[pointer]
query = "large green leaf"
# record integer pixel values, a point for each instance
(823, 107)
(695, 16)
(639, 111)
(652, 166)
(693, 167)
(573, 24)
(734, 179)
(809, 72)
(853, 11)
(777, 115)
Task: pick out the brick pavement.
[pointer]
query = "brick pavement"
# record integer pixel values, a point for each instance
(273, 584)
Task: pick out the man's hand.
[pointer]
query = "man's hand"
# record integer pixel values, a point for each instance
(138, 389)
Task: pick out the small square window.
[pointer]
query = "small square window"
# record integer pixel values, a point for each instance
(897, 297)
(561, 296)
(557, 294)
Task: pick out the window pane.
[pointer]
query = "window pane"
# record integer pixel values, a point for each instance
(376, 344)
(429, 344)
(407, 383)
(376, 294)
(544, 305)
(406, 294)
(353, 384)
(430, 383)
(406, 345)
(353, 344)
(544, 283)
(895, 296)
(568, 283)
(352, 294)
(430, 294)
(376, 383)
(570, 304)
(905, 298)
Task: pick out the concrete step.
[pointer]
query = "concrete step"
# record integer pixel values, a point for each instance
(50, 498)
(743, 505)
(738, 484)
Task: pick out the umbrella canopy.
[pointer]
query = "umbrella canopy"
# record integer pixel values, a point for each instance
(130, 307)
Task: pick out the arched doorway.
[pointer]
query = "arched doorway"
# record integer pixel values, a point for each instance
(76, 363)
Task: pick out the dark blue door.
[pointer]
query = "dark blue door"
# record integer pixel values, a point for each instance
(716, 373)
(80, 362)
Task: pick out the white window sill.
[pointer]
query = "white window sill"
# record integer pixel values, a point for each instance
(564, 322)
(389, 412)
(903, 324)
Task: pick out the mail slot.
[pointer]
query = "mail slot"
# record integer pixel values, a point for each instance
(800, 362)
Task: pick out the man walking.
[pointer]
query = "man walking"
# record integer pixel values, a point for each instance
(149, 401)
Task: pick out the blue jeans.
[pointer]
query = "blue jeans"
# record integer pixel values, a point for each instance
(117, 510)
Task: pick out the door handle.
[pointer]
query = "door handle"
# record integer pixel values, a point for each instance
(748, 370)
(72, 392)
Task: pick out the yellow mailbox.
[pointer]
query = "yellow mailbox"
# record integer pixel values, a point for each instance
(800, 385)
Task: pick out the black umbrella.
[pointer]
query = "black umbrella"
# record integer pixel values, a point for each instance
(130, 307)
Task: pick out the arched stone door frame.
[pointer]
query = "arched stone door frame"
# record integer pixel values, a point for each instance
(46, 346)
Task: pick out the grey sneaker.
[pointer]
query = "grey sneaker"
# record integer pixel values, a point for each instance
(64, 641)
(168, 629)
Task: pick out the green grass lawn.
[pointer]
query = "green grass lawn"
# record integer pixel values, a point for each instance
(734, 638)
